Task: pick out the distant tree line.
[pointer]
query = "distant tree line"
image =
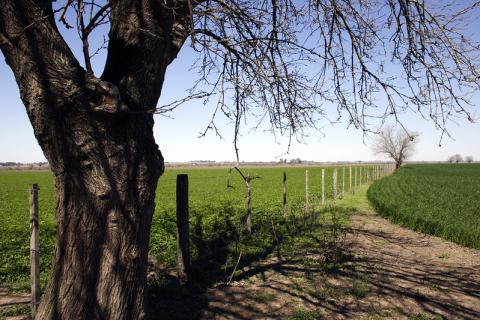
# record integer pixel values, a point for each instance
(17, 164)
(291, 161)
(457, 158)
(9, 164)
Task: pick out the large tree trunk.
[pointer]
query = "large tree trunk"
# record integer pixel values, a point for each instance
(105, 202)
(398, 163)
(97, 134)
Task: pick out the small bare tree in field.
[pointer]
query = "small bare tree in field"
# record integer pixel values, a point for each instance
(397, 144)
(457, 158)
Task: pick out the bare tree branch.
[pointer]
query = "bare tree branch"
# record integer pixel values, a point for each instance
(296, 59)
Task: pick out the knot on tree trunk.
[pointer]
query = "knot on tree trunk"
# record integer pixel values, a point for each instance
(105, 97)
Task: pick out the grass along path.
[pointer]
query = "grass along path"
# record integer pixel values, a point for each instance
(217, 204)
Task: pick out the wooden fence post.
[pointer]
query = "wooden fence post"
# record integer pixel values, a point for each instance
(323, 187)
(334, 185)
(183, 232)
(249, 204)
(284, 194)
(307, 202)
(34, 248)
(350, 176)
(360, 174)
(355, 184)
(343, 182)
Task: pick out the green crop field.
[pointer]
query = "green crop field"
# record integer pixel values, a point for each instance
(215, 212)
(439, 199)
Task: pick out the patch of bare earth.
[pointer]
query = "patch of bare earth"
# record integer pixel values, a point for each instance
(414, 273)
(9, 300)
(390, 273)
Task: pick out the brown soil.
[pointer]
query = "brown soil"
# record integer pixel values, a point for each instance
(392, 273)
(9, 300)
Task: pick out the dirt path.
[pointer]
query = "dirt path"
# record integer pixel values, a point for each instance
(413, 274)
(7, 299)
(391, 273)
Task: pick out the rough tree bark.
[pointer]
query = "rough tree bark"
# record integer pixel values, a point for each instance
(398, 163)
(97, 136)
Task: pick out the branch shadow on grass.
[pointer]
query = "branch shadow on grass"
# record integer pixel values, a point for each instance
(322, 277)
(217, 261)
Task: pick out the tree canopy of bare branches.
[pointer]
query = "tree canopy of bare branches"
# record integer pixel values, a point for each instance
(289, 61)
(396, 144)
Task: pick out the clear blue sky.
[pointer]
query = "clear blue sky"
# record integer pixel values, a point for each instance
(178, 136)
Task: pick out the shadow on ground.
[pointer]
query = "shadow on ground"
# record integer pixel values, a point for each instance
(221, 261)
(373, 270)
